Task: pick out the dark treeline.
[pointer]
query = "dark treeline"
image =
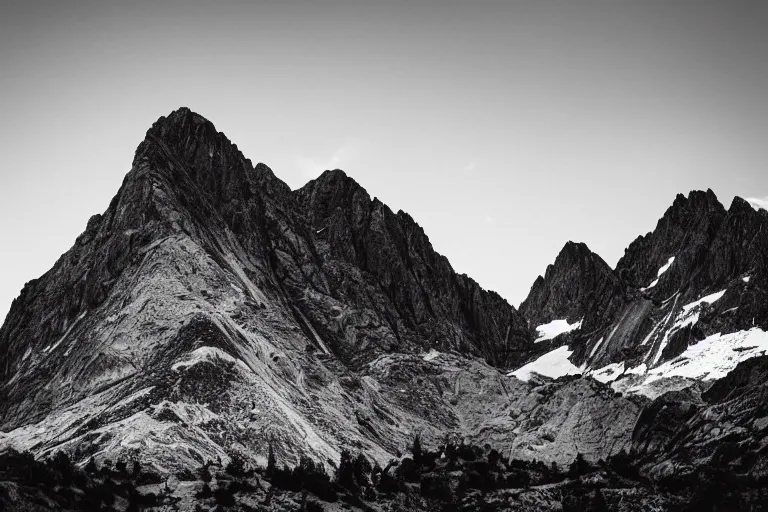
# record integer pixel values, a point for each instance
(57, 483)
(455, 476)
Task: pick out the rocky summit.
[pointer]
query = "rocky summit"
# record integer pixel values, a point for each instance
(211, 317)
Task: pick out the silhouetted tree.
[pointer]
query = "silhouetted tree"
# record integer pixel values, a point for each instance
(205, 492)
(345, 473)
(493, 458)
(416, 450)
(598, 504)
(578, 467)
(136, 471)
(362, 470)
(122, 468)
(271, 462)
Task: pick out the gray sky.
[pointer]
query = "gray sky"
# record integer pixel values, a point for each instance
(504, 128)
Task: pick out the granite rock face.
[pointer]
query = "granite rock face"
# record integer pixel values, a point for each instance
(556, 421)
(677, 298)
(211, 311)
(725, 428)
(392, 254)
(685, 232)
(578, 286)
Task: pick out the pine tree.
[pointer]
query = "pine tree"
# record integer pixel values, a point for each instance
(416, 450)
(271, 461)
(345, 474)
(598, 504)
(578, 467)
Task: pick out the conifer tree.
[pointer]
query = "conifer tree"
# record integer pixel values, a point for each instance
(271, 461)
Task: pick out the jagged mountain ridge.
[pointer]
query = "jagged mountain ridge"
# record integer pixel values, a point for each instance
(211, 311)
(699, 274)
(394, 250)
(204, 308)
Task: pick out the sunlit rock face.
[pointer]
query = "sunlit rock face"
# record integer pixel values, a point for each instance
(211, 311)
(684, 305)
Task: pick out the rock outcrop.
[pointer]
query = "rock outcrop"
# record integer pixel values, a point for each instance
(211, 311)
(678, 297)
(578, 287)
(725, 428)
(392, 254)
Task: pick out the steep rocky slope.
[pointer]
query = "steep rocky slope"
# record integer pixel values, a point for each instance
(204, 315)
(685, 304)
(578, 286)
(210, 311)
(391, 253)
(724, 428)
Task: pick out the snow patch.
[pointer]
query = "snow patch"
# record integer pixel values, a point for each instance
(431, 355)
(746, 278)
(711, 358)
(688, 316)
(555, 328)
(608, 373)
(553, 364)
(709, 299)
(663, 269)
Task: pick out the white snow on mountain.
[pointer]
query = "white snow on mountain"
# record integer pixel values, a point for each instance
(663, 269)
(553, 364)
(608, 373)
(688, 316)
(555, 328)
(597, 345)
(709, 299)
(711, 358)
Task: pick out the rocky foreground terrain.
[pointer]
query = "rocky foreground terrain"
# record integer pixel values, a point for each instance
(213, 320)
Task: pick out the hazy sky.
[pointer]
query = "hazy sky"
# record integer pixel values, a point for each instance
(504, 128)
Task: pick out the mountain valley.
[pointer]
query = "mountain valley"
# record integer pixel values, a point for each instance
(212, 316)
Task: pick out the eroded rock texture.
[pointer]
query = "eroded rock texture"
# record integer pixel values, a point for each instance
(211, 310)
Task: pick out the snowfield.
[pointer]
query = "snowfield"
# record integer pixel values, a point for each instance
(555, 328)
(711, 358)
(663, 269)
(709, 299)
(688, 316)
(553, 364)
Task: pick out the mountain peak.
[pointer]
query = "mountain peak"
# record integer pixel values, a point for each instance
(740, 204)
(572, 287)
(177, 119)
(575, 248)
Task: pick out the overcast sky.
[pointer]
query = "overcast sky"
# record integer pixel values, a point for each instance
(504, 128)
